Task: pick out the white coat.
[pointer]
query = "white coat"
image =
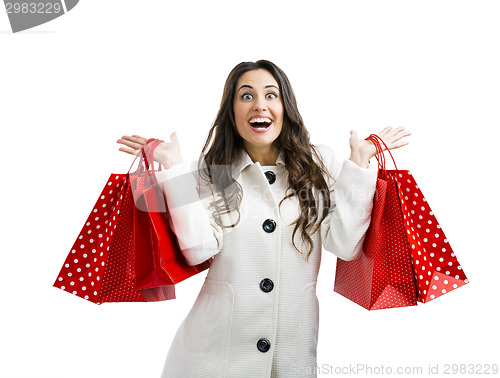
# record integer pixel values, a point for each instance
(257, 314)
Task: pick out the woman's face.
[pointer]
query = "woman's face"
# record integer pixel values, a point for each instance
(258, 109)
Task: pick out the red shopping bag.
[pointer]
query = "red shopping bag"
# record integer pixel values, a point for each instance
(436, 268)
(382, 276)
(101, 264)
(401, 263)
(159, 260)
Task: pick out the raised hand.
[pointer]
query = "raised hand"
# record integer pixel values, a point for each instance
(167, 153)
(363, 150)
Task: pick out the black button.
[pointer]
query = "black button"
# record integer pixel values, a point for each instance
(263, 345)
(266, 285)
(269, 225)
(271, 177)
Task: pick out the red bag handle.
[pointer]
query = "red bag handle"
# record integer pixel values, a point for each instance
(378, 141)
(148, 150)
(147, 154)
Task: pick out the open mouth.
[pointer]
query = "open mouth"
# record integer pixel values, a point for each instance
(260, 123)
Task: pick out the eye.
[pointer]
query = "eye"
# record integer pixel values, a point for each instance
(272, 95)
(246, 96)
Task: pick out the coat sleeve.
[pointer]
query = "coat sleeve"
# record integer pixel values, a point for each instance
(344, 228)
(188, 199)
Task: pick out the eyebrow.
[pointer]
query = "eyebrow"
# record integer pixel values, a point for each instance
(267, 86)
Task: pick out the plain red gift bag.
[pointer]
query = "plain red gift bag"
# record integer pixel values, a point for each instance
(159, 260)
(406, 257)
(101, 264)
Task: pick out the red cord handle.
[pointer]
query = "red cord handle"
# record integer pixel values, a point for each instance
(378, 141)
(148, 150)
(147, 154)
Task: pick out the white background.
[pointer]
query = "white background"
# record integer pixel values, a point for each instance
(70, 88)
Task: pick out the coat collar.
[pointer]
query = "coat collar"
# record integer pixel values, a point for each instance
(245, 160)
(256, 176)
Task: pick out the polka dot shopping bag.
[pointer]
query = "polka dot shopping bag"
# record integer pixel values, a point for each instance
(406, 256)
(101, 264)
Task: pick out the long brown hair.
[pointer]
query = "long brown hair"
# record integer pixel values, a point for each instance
(304, 173)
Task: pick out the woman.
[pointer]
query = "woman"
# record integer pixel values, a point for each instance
(262, 201)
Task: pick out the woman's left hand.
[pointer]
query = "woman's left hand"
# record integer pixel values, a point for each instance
(363, 150)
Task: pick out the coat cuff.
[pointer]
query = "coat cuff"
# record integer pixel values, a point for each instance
(173, 171)
(179, 185)
(353, 176)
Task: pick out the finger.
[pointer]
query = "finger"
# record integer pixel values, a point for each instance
(354, 134)
(386, 130)
(135, 146)
(398, 145)
(384, 134)
(396, 134)
(128, 151)
(142, 139)
(401, 135)
(136, 139)
(397, 130)
(130, 142)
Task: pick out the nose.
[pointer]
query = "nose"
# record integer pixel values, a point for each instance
(259, 105)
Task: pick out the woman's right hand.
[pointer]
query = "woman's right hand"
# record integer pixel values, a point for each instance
(167, 153)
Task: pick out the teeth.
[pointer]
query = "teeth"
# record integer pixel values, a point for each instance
(260, 120)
